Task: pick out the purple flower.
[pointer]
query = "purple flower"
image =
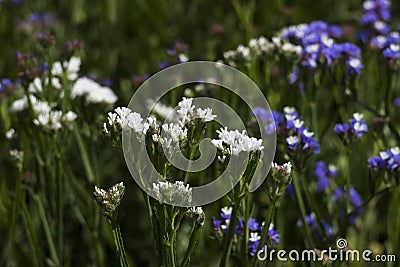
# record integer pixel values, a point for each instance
(341, 128)
(324, 174)
(393, 51)
(273, 234)
(379, 41)
(216, 223)
(261, 113)
(397, 102)
(354, 65)
(253, 225)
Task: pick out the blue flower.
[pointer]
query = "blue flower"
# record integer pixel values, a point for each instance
(387, 160)
(355, 129)
(324, 174)
(261, 113)
(253, 225)
(397, 102)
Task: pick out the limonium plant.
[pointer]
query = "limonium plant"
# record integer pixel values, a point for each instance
(332, 83)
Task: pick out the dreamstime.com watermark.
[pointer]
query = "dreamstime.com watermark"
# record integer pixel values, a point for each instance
(341, 253)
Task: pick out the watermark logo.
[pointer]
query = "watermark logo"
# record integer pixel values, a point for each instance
(135, 153)
(342, 253)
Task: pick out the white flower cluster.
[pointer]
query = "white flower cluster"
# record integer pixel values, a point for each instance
(93, 92)
(45, 116)
(109, 200)
(284, 170)
(187, 112)
(258, 47)
(69, 68)
(37, 85)
(176, 192)
(125, 118)
(234, 142)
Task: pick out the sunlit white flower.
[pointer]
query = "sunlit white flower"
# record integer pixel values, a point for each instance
(70, 67)
(94, 92)
(205, 114)
(10, 134)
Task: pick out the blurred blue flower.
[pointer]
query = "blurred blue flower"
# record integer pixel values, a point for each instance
(397, 102)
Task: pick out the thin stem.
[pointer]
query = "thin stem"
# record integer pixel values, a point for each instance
(8, 250)
(193, 238)
(231, 231)
(119, 243)
(60, 198)
(348, 180)
(299, 198)
(268, 219)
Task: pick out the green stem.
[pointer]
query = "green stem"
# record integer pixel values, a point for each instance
(8, 249)
(60, 198)
(299, 198)
(119, 243)
(46, 228)
(348, 180)
(268, 219)
(231, 231)
(193, 238)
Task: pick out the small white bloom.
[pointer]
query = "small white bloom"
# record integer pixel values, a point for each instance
(358, 116)
(254, 237)
(360, 127)
(289, 110)
(384, 155)
(307, 133)
(205, 114)
(292, 140)
(70, 116)
(395, 151)
(10, 134)
(183, 58)
(226, 210)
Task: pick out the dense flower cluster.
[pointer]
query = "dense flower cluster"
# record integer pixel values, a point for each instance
(387, 160)
(290, 128)
(45, 115)
(376, 18)
(177, 192)
(319, 47)
(355, 129)
(261, 47)
(109, 200)
(220, 227)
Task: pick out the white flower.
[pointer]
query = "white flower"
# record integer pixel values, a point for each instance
(205, 114)
(395, 151)
(183, 58)
(135, 123)
(51, 120)
(70, 67)
(254, 237)
(70, 116)
(384, 155)
(10, 134)
(358, 116)
(38, 106)
(236, 142)
(226, 210)
(360, 127)
(94, 92)
(185, 110)
(37, 85)
(289, 110)
(298, 123)
(292, 140)
(354, 63)
(195, 211)
(307, 133)
(172, 191)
